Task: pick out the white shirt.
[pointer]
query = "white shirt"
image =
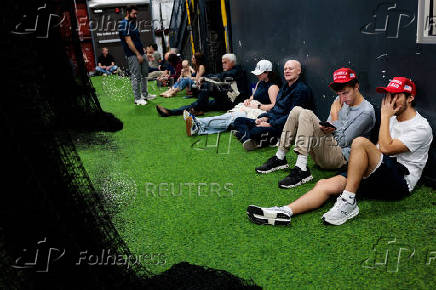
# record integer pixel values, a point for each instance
(416, 135)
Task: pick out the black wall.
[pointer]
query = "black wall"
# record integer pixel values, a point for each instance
(326, 35)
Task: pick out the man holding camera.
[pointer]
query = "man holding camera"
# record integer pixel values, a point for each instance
(328, 143)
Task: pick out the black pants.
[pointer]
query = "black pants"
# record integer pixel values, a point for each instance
(247, 129)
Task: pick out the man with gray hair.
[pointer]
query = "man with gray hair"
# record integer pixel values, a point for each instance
(220, 98)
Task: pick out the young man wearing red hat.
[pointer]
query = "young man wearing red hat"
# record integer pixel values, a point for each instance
(388, 170)
(327, 143)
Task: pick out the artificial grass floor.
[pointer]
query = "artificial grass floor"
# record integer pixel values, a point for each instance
(199, 215)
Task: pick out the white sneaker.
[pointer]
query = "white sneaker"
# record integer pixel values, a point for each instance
(269, 215)
(148, 97)
(342, 211)
(140, 102)
(186, 114)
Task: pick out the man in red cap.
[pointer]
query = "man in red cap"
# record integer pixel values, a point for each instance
(328, 143)
(388, 170)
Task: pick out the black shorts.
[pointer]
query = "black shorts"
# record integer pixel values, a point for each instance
(386, 182)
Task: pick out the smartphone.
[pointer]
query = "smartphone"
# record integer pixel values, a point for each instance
(327, 124)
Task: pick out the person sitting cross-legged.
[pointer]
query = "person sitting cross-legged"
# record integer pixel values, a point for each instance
(389, 170)
(189, 75)
(262, 100)
(263, 131)
(106, 63)
(351, 116)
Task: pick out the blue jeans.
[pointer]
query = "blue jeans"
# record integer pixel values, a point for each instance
(183, 83)
(108, 72)
(217, 124)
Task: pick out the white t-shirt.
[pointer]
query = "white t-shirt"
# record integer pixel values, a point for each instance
(416, 135)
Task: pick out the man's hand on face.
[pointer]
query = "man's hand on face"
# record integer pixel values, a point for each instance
(387, 107)
(247, 102)
(335, 108)
(140, 58)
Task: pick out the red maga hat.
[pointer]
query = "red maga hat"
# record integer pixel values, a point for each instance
(398, 85)
(343, 75)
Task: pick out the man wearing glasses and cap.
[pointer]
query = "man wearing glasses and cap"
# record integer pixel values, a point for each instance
(388, 170)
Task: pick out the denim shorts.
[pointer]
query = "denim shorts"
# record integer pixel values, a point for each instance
(386, 181)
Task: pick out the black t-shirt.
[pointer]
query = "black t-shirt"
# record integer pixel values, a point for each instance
(106, 61)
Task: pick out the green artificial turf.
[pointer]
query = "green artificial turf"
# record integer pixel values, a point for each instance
(210, 228)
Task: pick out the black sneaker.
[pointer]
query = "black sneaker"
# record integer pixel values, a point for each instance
(272, 164)
(295, 178)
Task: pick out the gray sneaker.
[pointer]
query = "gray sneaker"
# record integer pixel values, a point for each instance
(342, 211)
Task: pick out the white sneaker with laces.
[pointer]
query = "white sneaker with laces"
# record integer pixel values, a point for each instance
(342, 211)
(140, 102)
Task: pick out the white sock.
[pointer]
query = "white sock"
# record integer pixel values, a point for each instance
(348, 195)
(281, 154)
(301, 162)
(288, 209)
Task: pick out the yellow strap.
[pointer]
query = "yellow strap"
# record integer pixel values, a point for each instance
(224, 17)
(189, 23)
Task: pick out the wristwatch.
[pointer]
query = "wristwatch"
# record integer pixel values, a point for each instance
(258, 106)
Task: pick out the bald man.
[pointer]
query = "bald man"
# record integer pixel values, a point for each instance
(328, 143)
(268, 127)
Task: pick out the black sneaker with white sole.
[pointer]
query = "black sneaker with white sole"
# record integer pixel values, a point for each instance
(272, 164)
(268, 216)
(295, 178)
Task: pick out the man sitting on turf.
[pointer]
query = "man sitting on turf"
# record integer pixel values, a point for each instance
(387, 170)
(262, 100)
(260, 132)
(221, 101)
(350, 114)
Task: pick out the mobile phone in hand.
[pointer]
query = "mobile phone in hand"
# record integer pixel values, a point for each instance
(327, 124)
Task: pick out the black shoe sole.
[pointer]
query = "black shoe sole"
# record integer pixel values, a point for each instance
(264, 222)
(252, 209)
(303, 181)
(272, 169)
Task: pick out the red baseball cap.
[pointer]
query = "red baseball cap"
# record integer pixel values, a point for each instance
(343, 75)
(398, 85)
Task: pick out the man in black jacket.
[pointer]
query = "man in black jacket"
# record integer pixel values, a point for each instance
(268, 126)
(221, 101)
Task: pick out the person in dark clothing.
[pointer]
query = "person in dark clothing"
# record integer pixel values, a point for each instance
(268, 126)
(106, 62)
(220, 101)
